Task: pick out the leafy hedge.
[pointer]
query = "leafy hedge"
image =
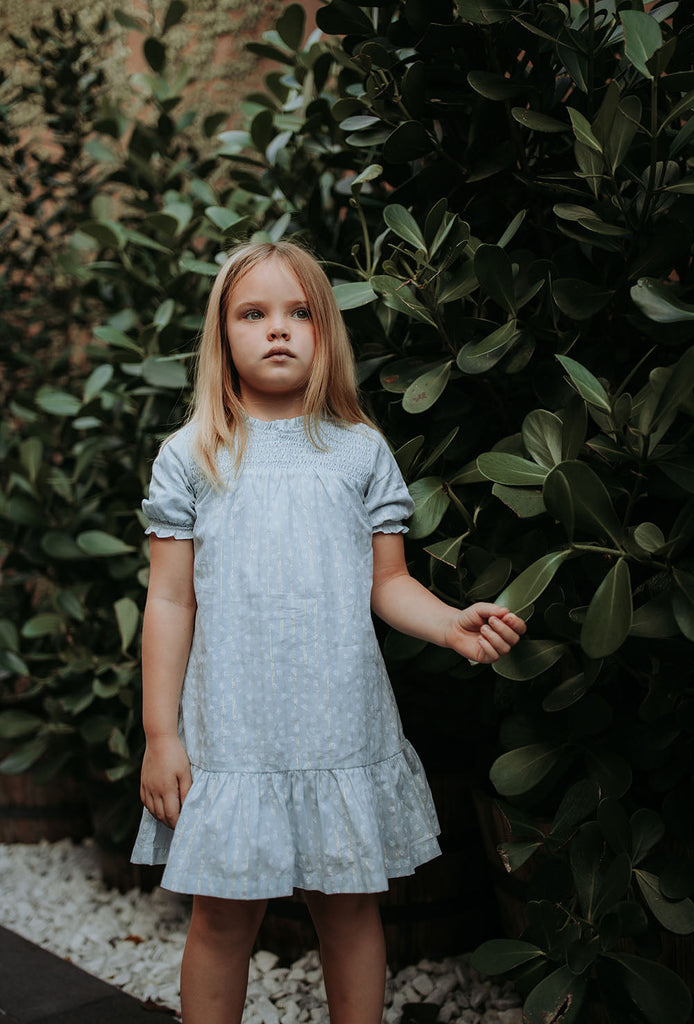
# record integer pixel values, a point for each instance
(503, 194)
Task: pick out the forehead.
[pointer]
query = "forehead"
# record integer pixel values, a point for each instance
(273, 277)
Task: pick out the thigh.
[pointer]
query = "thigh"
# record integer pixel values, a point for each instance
(337, 911)
(235, 919)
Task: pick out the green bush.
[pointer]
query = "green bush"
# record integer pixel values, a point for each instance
(503, 195)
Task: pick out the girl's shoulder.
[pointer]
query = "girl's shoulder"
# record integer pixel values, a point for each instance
(177, 453)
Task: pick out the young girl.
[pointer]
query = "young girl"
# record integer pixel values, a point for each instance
(275, 757)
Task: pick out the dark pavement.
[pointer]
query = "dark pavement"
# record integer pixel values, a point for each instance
(37, 987)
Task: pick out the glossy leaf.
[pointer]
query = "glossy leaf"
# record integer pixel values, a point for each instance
(587, 385)
(431, 502)
(97, 381)
(353, 295)
(494, 86)
(446, 551)
(608, 619)
(290, 26)
(128, 618)
(528, 586)
(497, 956)
(647, 829)
(683, 602)
(404, 225)
(164, 372)
(656, 992)
(99, 544)
(529, 659)
(24, 757)
(537, 121)
(505, 468)
(521, 769)
(409, 141)
(642, 37)
(495, 275)
(15, 723)
(480, 356)
(577, 497)
(425, 390)
(44, 624)
(559, 997)
(525, 503)
(542, 437)
(660, 302)
(57, 402)
(579, 299)
(675, 915)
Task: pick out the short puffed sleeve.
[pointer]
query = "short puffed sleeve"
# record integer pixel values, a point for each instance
(387, 499)
(170, 507)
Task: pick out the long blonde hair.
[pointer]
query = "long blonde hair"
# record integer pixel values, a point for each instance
(331, 391)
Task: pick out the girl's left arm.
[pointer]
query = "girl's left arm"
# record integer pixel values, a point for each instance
(483, 632)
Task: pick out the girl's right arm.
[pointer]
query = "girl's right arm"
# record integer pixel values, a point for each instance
(167, 632)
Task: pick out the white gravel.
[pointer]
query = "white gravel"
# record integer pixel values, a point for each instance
(53, 895)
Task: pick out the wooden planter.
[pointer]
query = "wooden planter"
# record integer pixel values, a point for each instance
(30, 812)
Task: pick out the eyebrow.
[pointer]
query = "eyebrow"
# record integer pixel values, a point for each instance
(253, 303)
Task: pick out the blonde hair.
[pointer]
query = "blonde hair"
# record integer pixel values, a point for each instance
(331, 391)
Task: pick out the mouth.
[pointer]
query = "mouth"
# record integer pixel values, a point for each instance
(278, 350)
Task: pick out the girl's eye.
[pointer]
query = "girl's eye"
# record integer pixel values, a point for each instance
(303, 313)
(252, 314)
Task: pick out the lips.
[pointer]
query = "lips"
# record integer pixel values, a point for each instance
(278, 350)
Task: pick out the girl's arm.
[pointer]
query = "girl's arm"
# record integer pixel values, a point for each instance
(167, 632)
(483, 632)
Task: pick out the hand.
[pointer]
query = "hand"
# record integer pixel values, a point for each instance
(165, 779)
(484, 632)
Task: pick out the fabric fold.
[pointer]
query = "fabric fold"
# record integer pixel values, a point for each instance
(334, 830)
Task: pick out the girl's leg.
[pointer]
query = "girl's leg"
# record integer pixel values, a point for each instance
(353, 954)
(214, 972)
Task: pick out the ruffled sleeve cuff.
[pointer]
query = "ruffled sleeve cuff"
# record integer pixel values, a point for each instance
(170, 505)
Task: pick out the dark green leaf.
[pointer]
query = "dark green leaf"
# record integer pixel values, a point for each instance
(542, 437)
(495, 274)
(579, 299)
(174, 13)
(659, 301)
(18, 723)
(480, 356)
(494, 86)
(20, 760)
(425, 390)
(586, 853)
(528, 586)
(56, 402)
(431, 502)
(529, 659)
(497, 956)
(353, 295)
(524, 502)
(647, 829)
(608, 619)
(675, 915)
(588, 386)
(577, 497)
(99, 544)
(404, 225)
(44, 624)
(536, 121)
(520, 770)
(290, 26)
(559, 998)
(409, 141)
(446, 551)
(162, 372)
(683, 602)
(658, 993)
(505, 468)
(155, 53)
(642, 37)
(128, 618)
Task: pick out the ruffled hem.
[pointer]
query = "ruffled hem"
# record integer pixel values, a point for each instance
(165, 530)
(260, 835)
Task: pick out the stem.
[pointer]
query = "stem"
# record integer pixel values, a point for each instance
(457, 503)
(591, 50)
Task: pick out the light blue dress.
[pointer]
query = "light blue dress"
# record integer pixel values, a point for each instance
(301, 774)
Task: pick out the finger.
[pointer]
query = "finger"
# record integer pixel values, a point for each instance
(515, 622)
(503, 630)
(485, 609)
(172, 808)
(486, 653)
(496, 641)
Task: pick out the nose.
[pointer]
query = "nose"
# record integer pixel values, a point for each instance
(277, 330)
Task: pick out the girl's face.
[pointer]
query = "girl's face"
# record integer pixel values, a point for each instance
(272, 340)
